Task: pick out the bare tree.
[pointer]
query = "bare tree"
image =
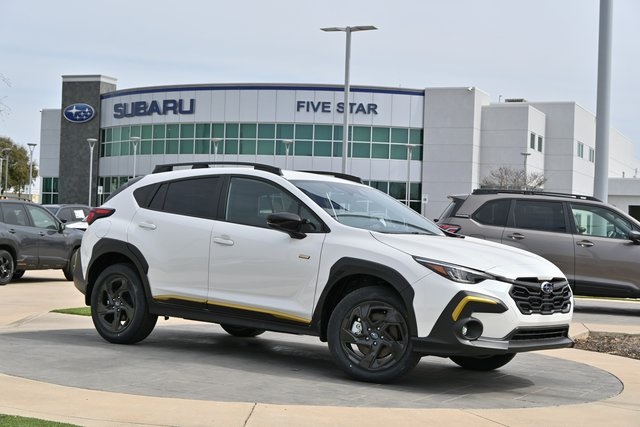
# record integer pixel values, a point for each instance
(4, 107)
(508, 178)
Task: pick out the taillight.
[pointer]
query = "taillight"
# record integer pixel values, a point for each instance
(97, 213)
(451, 228)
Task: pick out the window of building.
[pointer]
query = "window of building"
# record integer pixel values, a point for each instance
(580, 150)
(49, 190)
(592, 155)
(540, 143)
(532, 140)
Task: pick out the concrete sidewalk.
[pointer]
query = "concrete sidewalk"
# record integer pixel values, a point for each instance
(23, 305)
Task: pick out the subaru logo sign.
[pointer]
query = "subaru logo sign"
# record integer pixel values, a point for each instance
(546, 288)
(79, 113)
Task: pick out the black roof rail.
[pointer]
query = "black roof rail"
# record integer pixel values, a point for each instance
(533, 193)
(339, 175)
(204, 165)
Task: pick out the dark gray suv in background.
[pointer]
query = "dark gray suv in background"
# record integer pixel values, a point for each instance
(596, 245)
(31, 238)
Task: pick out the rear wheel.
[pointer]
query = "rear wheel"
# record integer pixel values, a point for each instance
(119, 308)
(6, 267)
(368, 335)
(241, 331)
(483, 363)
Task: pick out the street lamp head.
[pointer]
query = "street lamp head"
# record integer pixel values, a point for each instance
(350, 29)
(92, 142)
(32, 145)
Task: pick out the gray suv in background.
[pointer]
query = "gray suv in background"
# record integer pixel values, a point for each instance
(596, 245)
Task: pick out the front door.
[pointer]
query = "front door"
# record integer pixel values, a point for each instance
(260, 270)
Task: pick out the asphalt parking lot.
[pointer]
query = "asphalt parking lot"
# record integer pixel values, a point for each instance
(199, 362)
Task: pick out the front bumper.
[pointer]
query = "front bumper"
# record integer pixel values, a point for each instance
(520, 340)
(459, 329)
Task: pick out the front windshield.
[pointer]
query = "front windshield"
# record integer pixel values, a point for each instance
(365, 207)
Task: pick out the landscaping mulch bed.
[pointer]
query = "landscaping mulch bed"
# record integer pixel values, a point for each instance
(619, 344)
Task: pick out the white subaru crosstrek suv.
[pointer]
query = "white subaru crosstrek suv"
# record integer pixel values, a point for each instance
(254, 248)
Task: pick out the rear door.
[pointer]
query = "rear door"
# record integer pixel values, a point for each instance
(173, 231)
(542, 227)
(22, 233)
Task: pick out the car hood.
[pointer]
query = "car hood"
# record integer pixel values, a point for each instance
(478, 254)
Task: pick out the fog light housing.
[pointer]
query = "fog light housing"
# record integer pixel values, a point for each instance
(470, 328)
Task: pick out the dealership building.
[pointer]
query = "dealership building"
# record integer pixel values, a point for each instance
(440, 140)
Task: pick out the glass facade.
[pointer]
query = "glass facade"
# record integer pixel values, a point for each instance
(262, 139)
(318, 140)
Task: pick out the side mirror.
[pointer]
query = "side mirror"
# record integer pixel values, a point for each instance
(286, 222)
(634, 236)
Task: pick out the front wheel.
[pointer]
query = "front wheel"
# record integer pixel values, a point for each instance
(241, 331)
(68, 270)
(368, 336)
(483, 363)
(119, 307)
(7, 267)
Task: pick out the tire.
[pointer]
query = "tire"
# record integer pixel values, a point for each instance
(68, 270)
(241, 331)
(17, 274)
(118, 306)
(486, 363)
(7, 267)
(368, 336)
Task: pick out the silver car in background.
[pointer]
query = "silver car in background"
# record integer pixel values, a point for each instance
(596, 245)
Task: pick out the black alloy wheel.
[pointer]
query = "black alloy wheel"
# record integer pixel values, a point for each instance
(369, 337)
(118, 306)
(6, 267)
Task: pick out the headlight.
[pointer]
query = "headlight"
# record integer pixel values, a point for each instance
(454, 272)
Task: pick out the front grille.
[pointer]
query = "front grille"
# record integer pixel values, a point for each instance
(530, 298)
(540, 334)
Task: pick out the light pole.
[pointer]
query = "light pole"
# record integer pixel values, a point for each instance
(345, 106)
(215, 142)
(287, 143)
(6, 152)
(525, 155)
(135, 140)
(31, 147)
(92, 143)
(409, 151)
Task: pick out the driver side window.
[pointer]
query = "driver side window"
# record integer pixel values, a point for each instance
(600, 222)
(251, 201)
(42, 218)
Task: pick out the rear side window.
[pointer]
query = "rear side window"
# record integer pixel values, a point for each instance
(191, 197)
(494, 212)
(539, 215)
(452, 209)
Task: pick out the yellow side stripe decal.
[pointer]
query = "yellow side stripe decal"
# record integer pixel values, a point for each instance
(277, 314)
(466, 300)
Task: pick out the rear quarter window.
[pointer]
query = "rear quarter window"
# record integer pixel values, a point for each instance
(494, 212)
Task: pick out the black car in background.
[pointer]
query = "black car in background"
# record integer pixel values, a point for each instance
(31, 238)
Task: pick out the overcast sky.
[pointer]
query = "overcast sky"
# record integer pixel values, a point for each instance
(540, 50)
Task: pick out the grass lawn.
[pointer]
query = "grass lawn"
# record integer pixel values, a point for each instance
(13, 421)
(80, 311)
